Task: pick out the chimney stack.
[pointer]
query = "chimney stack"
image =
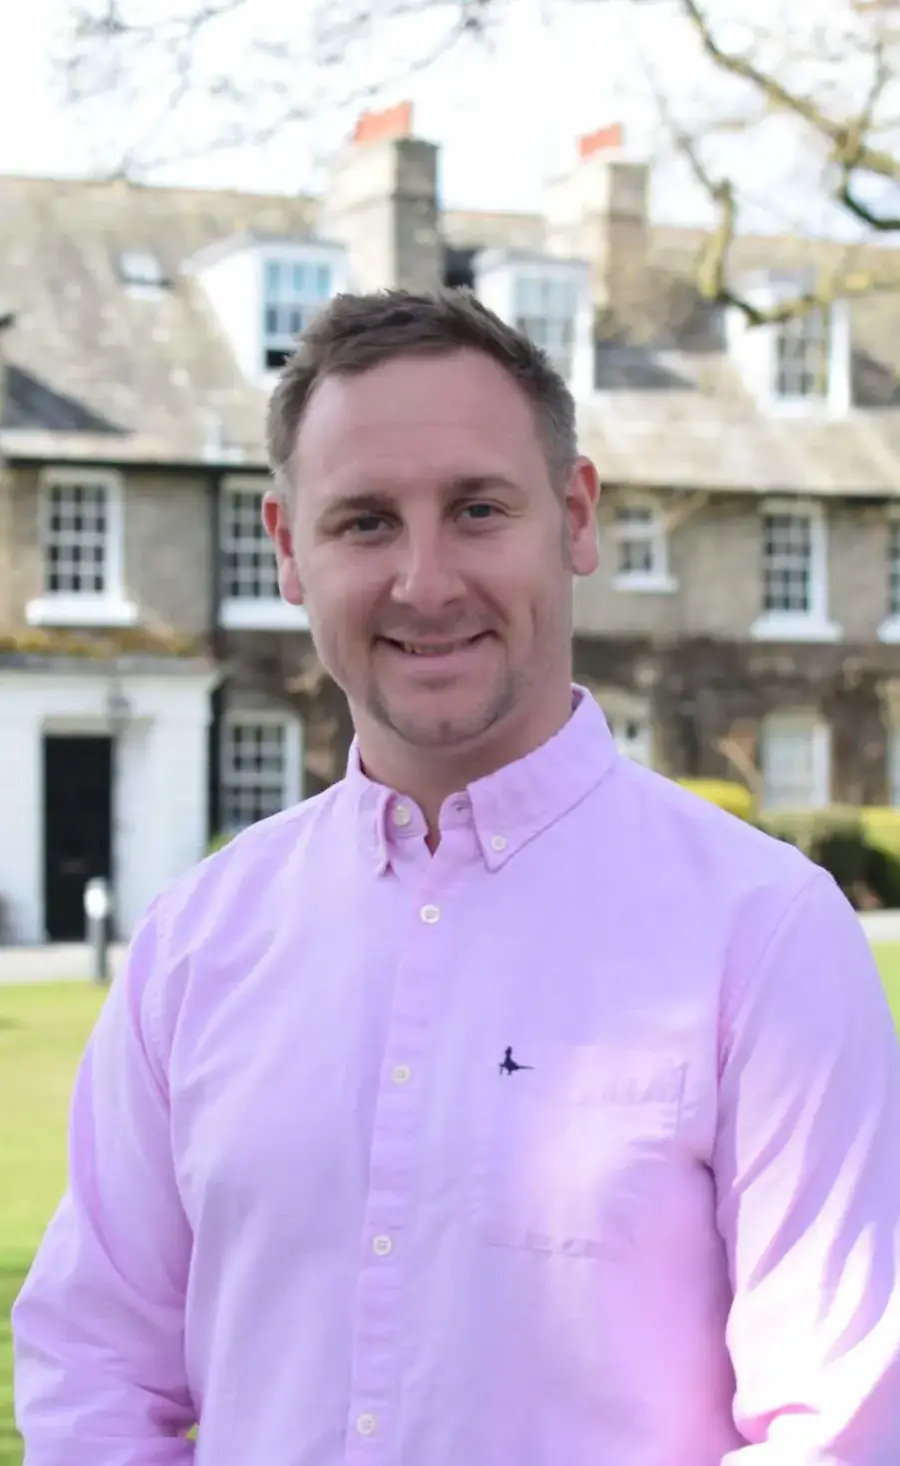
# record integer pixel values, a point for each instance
(599, 212)
(382, 204)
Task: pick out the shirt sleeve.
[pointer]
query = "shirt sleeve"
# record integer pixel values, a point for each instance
(98, 1328)
(807, 1167)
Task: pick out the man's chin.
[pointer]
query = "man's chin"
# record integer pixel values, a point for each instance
(448, 734)
(441, 722)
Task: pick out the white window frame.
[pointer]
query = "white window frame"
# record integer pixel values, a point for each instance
(819, 732)
(812, 624)
(292, 784)
(110, 607)
(307, 303)
(252, 612)
(655, 533)
(889, 630)
(755, 349)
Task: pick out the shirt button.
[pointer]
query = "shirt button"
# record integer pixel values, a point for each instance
(402, 1074)
(402, 814)
(366, 1424)
(498, 842)
(382, 1246)
(431, 914)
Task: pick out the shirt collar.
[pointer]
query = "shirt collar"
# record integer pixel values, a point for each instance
(507, 808)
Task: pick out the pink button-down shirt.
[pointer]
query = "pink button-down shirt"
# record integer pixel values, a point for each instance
(574, 1144)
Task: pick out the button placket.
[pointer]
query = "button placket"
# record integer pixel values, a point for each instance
(379, 1322)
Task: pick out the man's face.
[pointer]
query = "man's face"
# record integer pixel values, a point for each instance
(430, 549)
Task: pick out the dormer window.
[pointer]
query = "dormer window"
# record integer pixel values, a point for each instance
(802, 365)
(293, 291)
(264, 291)
(549, 299)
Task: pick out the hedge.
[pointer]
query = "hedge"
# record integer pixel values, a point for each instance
(735, 798)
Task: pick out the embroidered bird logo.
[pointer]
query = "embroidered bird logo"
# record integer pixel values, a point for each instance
(509, 1065)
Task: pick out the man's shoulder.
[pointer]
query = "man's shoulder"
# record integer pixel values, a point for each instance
(719, 888)
(254, 861)
(675, 829)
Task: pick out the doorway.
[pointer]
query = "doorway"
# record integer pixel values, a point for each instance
(77, 828)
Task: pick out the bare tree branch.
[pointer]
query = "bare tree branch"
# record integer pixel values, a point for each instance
(847, 138)
(109, 50)
(850, 149)
(297, 78)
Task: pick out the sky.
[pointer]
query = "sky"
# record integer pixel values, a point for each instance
(507, 115)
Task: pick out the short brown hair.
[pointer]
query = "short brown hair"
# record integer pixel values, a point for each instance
(355, 332)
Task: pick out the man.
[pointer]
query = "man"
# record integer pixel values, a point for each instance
(504, 1105)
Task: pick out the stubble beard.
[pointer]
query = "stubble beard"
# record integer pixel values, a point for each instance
(446, 733)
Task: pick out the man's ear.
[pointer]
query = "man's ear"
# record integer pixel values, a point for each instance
(581, 498)
(278, 528)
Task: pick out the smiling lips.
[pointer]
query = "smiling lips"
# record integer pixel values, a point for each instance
(436, 648)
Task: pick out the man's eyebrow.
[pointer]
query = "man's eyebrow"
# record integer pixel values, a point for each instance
(478, 482)
(368, 502)
(378, 501)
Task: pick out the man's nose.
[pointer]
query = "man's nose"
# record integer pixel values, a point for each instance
(427, 577)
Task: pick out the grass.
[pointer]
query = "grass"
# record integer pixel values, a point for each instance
(43, 1030)
(888, 956)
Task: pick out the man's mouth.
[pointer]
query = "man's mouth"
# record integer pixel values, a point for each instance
(435, 648)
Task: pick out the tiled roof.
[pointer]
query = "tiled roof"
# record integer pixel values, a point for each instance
(100, 372)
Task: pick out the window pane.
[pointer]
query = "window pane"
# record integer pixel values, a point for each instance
(641, 545)
(636, 557)
(787, 564)
(76, 549)
(527, 294)
(254, 771)
(293, 289)
(544, 310)
(802, 356)
(791, 752)
(248, 560)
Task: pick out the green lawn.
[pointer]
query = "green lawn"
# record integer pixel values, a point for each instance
(888, 955)
(42, 1032)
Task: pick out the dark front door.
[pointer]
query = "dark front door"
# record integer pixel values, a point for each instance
(77, 829)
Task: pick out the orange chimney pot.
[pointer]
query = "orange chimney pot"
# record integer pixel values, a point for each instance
(376, 127)
(604, 140)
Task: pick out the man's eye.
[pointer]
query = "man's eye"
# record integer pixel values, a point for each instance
(366, 523)
(479, 511)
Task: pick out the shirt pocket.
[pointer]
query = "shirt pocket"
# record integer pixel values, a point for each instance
(573, 1154)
